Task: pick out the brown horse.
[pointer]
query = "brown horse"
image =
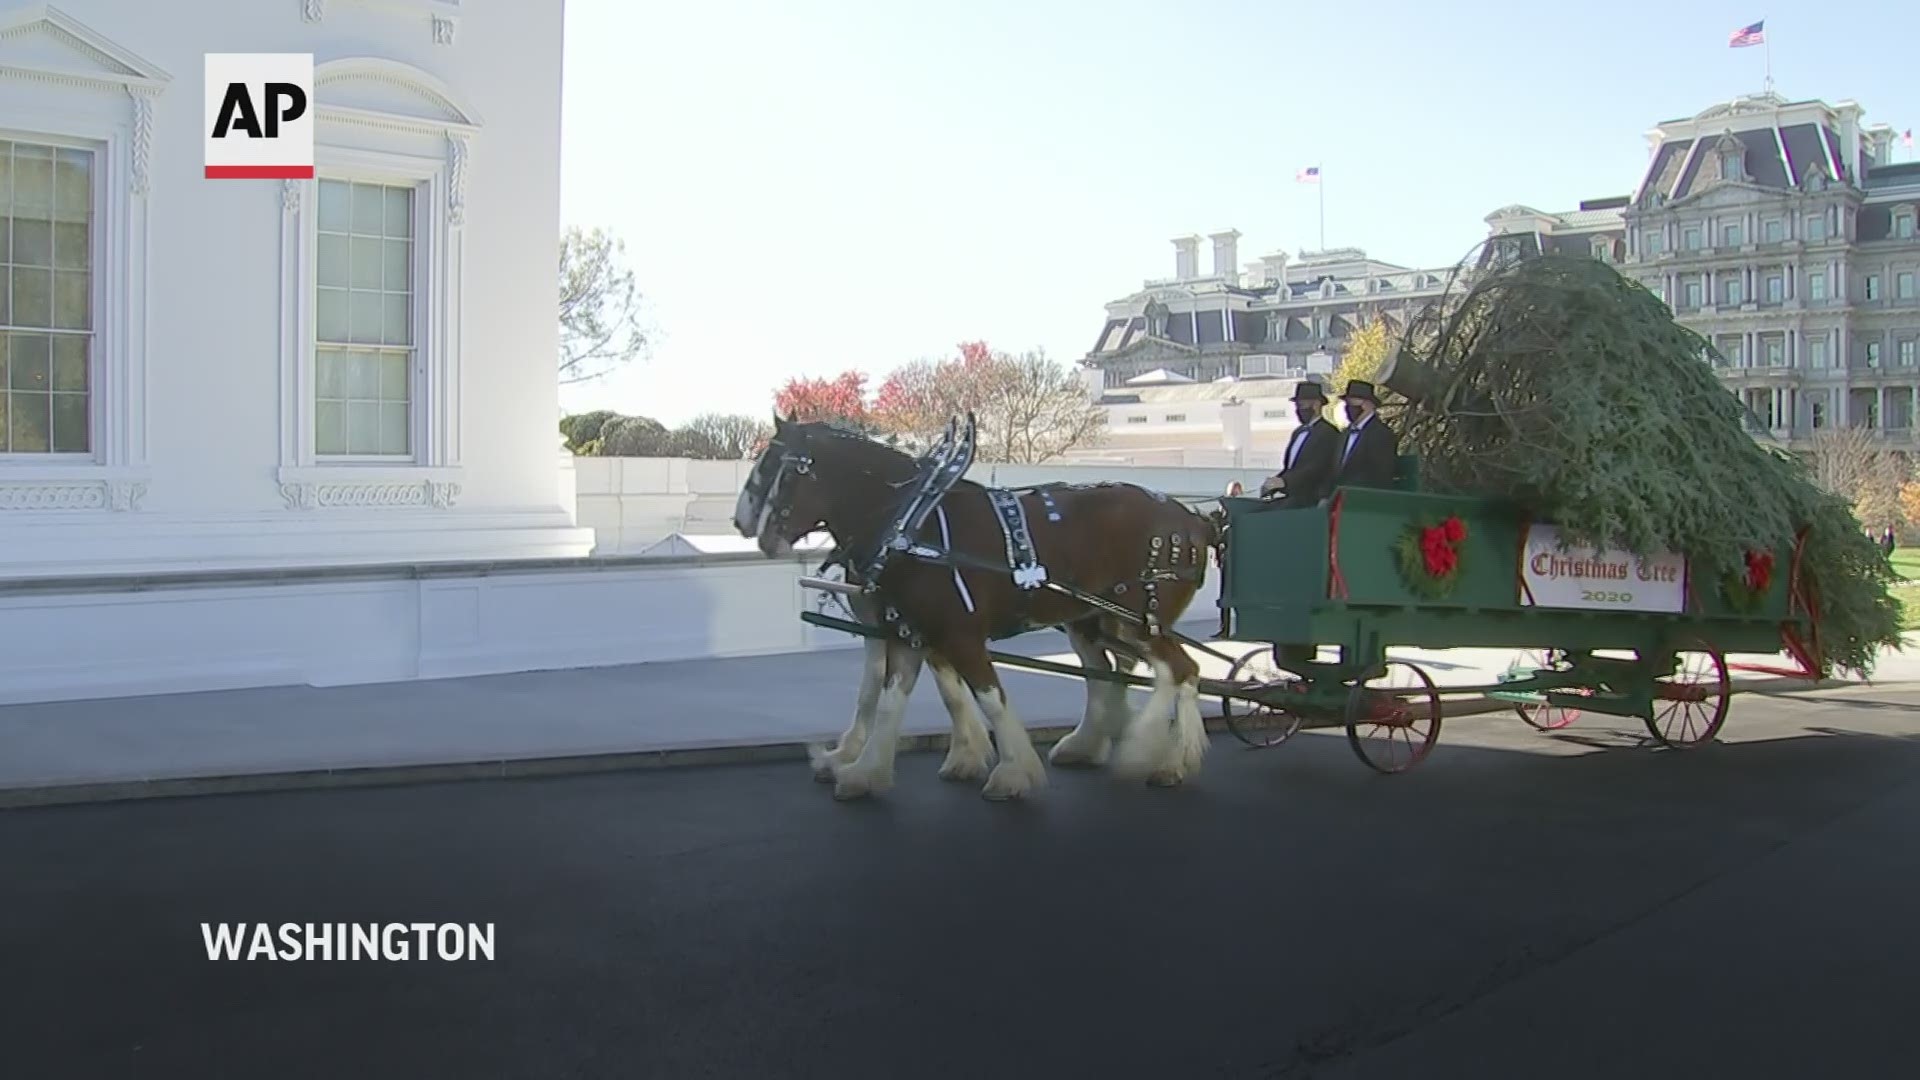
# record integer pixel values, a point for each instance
(1122, 563)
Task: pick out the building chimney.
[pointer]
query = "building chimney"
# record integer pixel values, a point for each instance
(1186, 258)
(1226, 255)
(1275, 266)
(1095, 381)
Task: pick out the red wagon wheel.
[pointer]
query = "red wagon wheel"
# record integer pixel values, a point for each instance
(1546, 717)
(1400, 708)
(1257, 725)
(1690, 705)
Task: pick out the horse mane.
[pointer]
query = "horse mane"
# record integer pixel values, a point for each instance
(842, 433)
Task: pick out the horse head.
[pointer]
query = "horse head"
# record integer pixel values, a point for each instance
(797, 480)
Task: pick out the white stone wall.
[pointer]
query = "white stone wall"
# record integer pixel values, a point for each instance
(632, 502)
(389, 626)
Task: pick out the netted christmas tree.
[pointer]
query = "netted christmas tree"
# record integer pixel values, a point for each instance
(1559, 383)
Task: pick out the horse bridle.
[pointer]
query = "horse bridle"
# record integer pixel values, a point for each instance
(790, 461)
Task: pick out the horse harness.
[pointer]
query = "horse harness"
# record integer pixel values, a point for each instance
(941, 468)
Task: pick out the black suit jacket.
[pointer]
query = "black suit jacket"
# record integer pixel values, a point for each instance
(1373, 460)
(1310, 478)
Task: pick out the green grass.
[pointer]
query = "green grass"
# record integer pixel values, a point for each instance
(1909, 597)
(1907, 561)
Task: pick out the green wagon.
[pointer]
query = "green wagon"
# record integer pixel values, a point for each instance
(1611, 633)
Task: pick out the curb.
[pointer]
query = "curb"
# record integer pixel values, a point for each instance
(27, 796)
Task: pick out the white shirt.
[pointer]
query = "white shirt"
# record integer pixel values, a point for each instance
(1353, 436)
(1294, 444)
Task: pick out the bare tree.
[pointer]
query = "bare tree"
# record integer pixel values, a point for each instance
(1850, 462)
(1035, 410)
(725, 437)
(1029, 408)
(599, 306)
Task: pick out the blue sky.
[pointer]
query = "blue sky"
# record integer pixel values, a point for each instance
(814, 185)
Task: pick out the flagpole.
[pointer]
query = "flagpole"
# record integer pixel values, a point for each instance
(1767, 41)
(1322, 185)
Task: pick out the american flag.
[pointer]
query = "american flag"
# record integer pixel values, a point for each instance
(1907, 138)
(1748, 35)
(1308, 175)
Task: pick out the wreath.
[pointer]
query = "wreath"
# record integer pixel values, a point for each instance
(1430, 555)
(1747, 589)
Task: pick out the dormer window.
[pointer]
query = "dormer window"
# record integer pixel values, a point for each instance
(1603, 249)
(1730, 164)
(1903, 225)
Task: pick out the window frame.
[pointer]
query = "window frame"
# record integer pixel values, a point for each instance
(419, 316)
(98, 312)
(433, 376)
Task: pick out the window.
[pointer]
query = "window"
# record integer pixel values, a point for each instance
(1776, 352)
(1873, 354)
(1816, 228)
(1906, 353)
(1602, 249)
(1817, 285)
(1873, 286)
(1731, 236)
(1903, 285)
(1732, 291)
(364, 320)
(370, 406)
(1776, 289)
(1817, 352)
(1693, 294)
(77, 153)
(1652, 241)
(1903, 226)
(46, 298)
(1690, 238)
(1774, 230)
(1819, 410)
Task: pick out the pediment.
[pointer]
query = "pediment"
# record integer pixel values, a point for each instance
(389, 92)
(1723, 193)
(44, 42)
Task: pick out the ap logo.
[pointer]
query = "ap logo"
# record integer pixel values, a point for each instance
(259, 122)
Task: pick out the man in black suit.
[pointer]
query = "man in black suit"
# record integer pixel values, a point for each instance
(1370, 453)
(1306, 474)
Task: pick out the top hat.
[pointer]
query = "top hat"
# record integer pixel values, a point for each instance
(1360, 390)
(1309, 390)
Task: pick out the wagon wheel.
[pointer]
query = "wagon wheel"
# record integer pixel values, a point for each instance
(1403, 705)
(1690, 705)
(1546, 717)
(1258, 725)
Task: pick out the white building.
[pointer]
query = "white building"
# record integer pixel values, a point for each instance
(209, 374)
(1164, 418)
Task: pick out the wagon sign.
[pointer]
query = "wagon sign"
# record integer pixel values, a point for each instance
(1583, 577)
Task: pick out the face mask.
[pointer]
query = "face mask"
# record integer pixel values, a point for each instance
(1355, 411)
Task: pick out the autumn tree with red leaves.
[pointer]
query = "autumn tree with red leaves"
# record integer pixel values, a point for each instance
(1028, 408)
(839, 400)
